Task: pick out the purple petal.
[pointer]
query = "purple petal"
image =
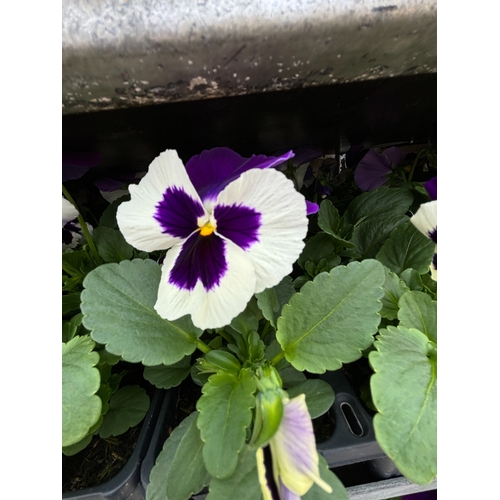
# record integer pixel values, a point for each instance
(372, 171)
(424, 495)
(431, 187)
(394, 155)
(238, 223)
(178, 213)
(202, 258)
(213, 169)
(305, 154)
(75, 165)
(311, 207)
(115, 182)
(286, 494)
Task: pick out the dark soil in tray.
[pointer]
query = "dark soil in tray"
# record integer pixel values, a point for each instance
(102, 459)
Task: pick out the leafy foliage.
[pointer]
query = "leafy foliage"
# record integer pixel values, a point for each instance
(118, 308)
(81, 380)
(333, 319)
(405, 364)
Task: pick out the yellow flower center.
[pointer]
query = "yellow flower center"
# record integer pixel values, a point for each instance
(207, 229)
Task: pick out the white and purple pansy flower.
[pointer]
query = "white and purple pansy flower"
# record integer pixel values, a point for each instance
(288, 465)
(425, 219)
(233, 227)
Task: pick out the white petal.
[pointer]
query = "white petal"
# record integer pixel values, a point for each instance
(217, 307)
(135, 217)
(69, 212)
(284, 222)
(425, 219)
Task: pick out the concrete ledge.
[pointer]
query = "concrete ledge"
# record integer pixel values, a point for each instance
(128, 53)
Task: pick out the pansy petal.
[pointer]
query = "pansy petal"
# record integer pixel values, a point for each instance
(75, 165)
(263, 473)
(163, 207)
(283, 222)
(372, 171)
(431, 188)
(394, 155)
(286, 494)
(294, 449)
(69, 212)
(212, 170)
(189, 269)
(425, 220)
(312, 207)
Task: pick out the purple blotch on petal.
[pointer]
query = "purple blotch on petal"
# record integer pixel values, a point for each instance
(202, 258)
(178, 213)
(433, 235)
(213, 169)
(238, 223)
(431, 188)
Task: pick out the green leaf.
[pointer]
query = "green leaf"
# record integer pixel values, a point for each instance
(118, 308)
(404, 391)
(127, 407)
(243, 483)
(333, 318)
(108, 217)
(412, 279)
(383, 201)
(246, 321)
(418, 310)
(69, 328)
(157, 488)
(73, 449)
(319, 396)
(407, 247)
(272, 300)
(81, 408)
(225, 413)
(330, 222)
(187, 473)
(166, 377)
(318, 247)
(371, 234)
(290, 376)
(111, 244)
(338, 490)
(393, 288)
(70, 303)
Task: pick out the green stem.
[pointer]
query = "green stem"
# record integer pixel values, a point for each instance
(84, 227)
(202, 346)
(410, 175)
(265, 330)
(278, 357)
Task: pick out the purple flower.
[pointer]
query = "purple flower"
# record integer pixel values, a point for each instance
(288, 466)
(74, 165)
(375, 169)
(233, 227)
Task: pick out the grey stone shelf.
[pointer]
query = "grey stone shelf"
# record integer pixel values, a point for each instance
(132, 53)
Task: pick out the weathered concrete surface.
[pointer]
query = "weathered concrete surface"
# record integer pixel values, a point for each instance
(128, 53)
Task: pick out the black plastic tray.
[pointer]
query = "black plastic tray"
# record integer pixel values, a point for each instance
(352, 451)
(126, 485)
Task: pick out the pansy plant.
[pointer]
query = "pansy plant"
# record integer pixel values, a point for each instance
(236, 289)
